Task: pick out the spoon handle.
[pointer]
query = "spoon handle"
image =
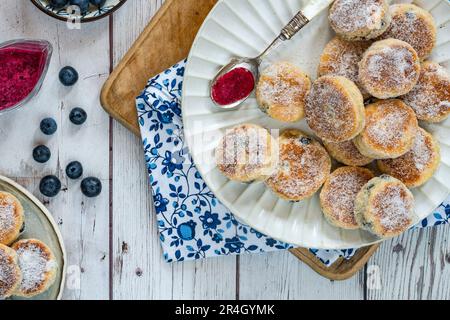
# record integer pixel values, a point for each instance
(294, 26)
(290, 30)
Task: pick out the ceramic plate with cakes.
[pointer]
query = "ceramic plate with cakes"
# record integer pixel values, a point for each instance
(32, 254)
(344, 141)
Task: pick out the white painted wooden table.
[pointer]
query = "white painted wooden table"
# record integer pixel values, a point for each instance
(112, 241)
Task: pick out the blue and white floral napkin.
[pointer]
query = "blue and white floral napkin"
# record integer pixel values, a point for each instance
(192, 223)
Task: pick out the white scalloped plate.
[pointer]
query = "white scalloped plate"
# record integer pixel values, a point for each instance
(244, 28)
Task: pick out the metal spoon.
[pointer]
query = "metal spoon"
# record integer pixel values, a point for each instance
(252, 64)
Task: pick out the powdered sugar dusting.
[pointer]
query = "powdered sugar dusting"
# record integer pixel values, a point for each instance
(410, 167)
(347, 153)
(329, 111)
(394, 208)
(283, 85)
(340, 192)
(388, 130)
(304, 165)
(392, 67)
(390, 124)
(341, 58)
(34, 264)
(354, 15)
(430, 98)
(8, 275)
(246, 151)
(7, 216)
(412, 25)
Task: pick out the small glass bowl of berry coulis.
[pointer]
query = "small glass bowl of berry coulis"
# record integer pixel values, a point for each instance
(23, 66)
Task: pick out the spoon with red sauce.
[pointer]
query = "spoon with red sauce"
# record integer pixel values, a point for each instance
(235, 82)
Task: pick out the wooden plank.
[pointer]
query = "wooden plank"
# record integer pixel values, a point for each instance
(139, 271)
(165, 40)
(281, 276)
(84, 223)
(414, 266)
(342, 269)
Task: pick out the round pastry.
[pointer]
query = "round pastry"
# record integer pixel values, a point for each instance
(418, 165)
(391, 128)
(413, 25)
(335, 109)
(347, 153)
(389, 68)
(359, 19)
(385, 207)
(430, 98)
(341, 58)
(246, 153)
(304, 166)
(38, 266)
(11, 218)
(338, 195)
(281, 92)
(10, 275)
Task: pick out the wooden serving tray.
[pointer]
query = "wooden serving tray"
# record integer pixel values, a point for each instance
(144, 60)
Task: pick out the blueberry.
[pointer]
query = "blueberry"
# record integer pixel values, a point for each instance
(68, 76)
(305, 140)
(58, 4)
(78, 116)
(91, 187)
(48, 126)
(98, 3)
(41, 154)
(82, 4)
(50, 186)
(74, 170)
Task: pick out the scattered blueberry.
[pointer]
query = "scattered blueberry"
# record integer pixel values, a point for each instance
(48, 126)
(68, 76)
(78, 116)
(305, 140)
(98, 3)
(41, 154)
(50, 186)
(91, 187)
(58, 4)
(82, 4)
(74, 170)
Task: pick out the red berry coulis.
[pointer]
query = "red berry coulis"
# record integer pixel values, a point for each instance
(20, 70)
(233, 86)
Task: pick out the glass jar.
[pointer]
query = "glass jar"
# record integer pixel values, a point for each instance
(23, 66)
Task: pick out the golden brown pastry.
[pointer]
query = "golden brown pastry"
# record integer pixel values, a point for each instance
(38, 266)
(281, 92)
(335, 109)
(10, 275)
(413, 25)
(430, 98)
(347, 153)
(341, 58)
(418, 165)
(385, 207)
(389, 68)
(338, 195)
(246, 153)
(304, 166)
(391, 128)
(359, 19)
(11, 218)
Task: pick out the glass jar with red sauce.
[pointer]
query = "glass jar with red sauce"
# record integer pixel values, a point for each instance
(23, 66)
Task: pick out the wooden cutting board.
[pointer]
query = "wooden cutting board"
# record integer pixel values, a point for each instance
(144, 60)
